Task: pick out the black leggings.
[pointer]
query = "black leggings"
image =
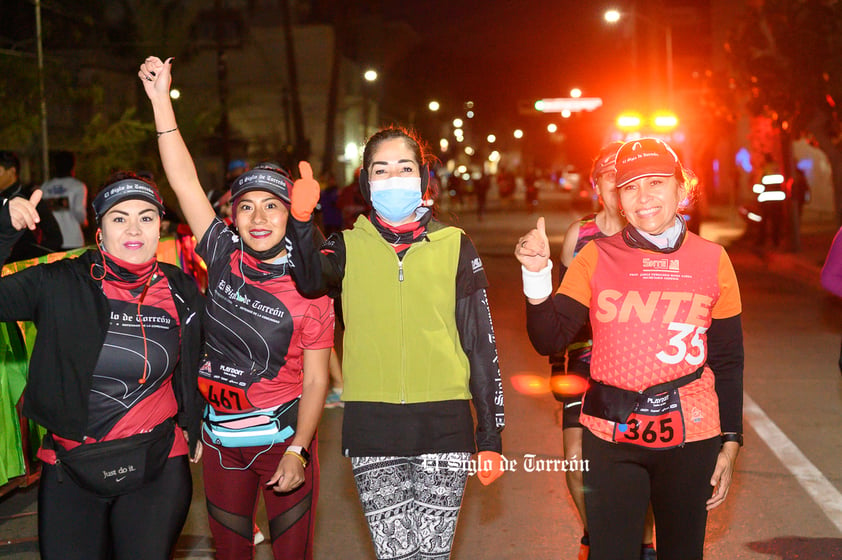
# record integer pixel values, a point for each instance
(75, 524)
(620, 481)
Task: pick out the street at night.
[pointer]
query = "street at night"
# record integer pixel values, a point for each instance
(189, 151)
(785, 501)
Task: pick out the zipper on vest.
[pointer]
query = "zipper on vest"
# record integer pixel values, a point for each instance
(403, 334)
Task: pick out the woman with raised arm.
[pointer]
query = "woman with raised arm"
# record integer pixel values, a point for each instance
(113, 380)
(264, 373)
(662, 415)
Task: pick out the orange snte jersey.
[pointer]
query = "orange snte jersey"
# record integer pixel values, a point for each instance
(650, 313)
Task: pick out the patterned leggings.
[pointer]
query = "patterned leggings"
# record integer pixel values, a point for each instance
(411, 504)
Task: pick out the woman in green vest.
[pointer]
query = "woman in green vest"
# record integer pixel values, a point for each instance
(418, 349)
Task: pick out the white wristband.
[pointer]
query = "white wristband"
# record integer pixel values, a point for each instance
(538, 285)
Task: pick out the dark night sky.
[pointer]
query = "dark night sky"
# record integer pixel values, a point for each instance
(504, 52)
(496, 53)
(526, 47)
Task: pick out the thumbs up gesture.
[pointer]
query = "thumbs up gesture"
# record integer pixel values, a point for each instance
(23, 212)
(533, 249)
(156, 77)
(305, 193)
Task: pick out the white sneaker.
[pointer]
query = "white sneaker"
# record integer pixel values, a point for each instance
(258, 536)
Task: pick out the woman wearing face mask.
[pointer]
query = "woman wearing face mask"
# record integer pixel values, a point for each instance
(418, 348)
(112, 378)
(663, 412)
(264, 374)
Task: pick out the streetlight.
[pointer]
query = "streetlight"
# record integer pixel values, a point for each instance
(434, 106)
(370, 76)
(45, 144)
(614, 16)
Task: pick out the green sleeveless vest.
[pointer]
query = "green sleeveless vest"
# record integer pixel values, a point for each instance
(401, 344)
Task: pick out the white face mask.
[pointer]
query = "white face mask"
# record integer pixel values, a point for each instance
(396, 198)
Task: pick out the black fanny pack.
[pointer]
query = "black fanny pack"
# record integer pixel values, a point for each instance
(120, 466)
(617, 405)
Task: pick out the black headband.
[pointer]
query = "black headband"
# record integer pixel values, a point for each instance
(126, 189)
(262, 180)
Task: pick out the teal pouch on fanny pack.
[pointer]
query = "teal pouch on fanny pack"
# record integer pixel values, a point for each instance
(254, 428)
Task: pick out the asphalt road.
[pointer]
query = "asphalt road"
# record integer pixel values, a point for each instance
(785, 503)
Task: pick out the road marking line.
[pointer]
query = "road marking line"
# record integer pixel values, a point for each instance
(826, 496)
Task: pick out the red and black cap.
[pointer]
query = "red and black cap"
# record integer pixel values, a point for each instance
(605, 160)
(646, 157)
